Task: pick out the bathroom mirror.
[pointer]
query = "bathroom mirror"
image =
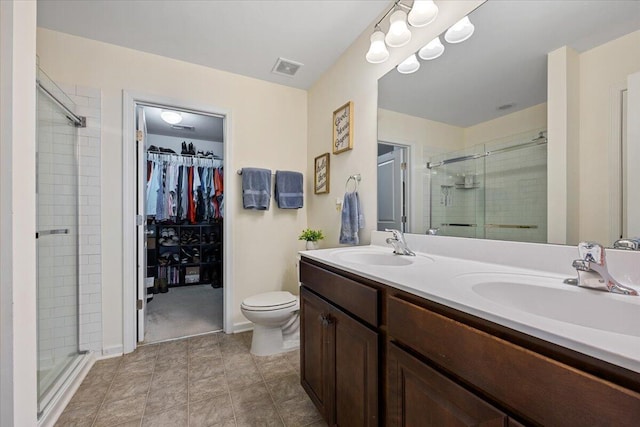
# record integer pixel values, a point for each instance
(489, 94)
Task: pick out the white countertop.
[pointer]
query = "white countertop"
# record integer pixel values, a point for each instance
(450, 281)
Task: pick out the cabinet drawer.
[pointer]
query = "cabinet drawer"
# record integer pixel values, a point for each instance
(417, 395)
(530, 385)
(356, 298)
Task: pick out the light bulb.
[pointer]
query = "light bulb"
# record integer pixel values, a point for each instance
(171, 117)
(378, 51)
(398, 34)
(460, 31)
(409, 65)
(422, 13)
(434, 49)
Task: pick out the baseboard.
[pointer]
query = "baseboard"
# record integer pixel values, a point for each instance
(55, 408)
(113, 351)
(242, 327)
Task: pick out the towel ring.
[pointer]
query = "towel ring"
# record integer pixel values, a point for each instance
(356, 179)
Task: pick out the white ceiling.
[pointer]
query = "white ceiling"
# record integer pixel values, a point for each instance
(242, 36)
(505, 61)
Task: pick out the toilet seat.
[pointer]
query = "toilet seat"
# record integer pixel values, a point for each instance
(270, 301)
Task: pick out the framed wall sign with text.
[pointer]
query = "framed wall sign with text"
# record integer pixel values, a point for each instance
(321, 174)
(343, 128)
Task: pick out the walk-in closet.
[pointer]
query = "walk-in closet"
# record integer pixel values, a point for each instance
(182, 189)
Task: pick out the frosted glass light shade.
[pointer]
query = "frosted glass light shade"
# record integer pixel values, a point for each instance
(422, 13)
(171, 117)
(378, 51)
(460, 31)
(409, 65)
(432, 50)
(398, 34)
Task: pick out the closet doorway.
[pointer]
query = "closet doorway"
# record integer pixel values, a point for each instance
(180, 202)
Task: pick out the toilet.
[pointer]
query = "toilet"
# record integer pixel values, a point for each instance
(276, 322)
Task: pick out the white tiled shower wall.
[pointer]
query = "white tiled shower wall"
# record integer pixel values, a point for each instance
(88, 104)
(56, 188)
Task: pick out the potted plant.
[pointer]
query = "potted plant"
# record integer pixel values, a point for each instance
(311, 237)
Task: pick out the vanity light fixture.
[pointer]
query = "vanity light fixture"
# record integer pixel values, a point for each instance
(378, 51)
(460, 31)
(398, 34)
(423, 12)
(432, 50)
(409, 65)
(171, 117)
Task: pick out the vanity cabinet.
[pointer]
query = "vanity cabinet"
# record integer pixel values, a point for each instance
(375, 355)
(419, 396)
(339, 352)
(534, 387)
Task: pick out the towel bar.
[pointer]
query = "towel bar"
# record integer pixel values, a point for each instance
(356, 179)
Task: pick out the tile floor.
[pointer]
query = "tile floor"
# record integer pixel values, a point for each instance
(209, 380)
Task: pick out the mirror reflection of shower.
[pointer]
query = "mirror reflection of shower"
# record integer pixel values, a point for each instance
(496, 190)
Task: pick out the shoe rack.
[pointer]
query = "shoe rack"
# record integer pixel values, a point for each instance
(186, 254)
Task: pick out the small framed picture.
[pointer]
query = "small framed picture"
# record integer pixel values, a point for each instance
(321, 174)
(343, 128)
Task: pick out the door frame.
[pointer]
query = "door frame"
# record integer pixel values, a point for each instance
(412, 215)
(129, 184)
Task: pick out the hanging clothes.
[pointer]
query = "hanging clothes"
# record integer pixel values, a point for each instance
(183, 188)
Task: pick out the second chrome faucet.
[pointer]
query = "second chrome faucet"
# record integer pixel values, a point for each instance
(593, 273)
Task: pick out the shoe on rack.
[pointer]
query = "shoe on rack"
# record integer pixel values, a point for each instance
(192, 150)
(184, 148)
(163, 285)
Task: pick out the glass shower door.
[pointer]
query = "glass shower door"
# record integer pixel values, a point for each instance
(57, 240)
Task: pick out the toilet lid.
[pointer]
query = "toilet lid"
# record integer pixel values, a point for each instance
(270, 301)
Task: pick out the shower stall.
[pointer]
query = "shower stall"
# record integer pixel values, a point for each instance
(495, 191)
(57, 183)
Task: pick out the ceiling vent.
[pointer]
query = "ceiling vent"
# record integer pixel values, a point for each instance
(184, 127)
(286, 67)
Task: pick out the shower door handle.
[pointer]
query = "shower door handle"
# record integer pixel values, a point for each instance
(50, 232)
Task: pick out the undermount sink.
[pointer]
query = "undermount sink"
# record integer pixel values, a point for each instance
(379, 258)
(549, 297)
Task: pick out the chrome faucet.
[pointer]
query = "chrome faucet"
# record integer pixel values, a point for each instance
(592, 270)
(398, 242)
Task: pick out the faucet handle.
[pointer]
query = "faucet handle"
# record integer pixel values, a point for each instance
(592, 252)
(397, 234)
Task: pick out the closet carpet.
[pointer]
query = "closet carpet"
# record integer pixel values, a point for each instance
(204, 381)
(182, 312)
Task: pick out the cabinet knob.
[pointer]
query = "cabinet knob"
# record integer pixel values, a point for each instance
(326, 319)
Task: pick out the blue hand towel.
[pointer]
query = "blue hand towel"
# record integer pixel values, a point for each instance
(352, 219)
(256, 188)
(289, 190)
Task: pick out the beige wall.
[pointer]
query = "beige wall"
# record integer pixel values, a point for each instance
(18, 349)
(602, 69)
(512, 124)
(268, 129)
(352, 78)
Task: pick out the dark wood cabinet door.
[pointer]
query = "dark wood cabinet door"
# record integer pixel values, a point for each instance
(419, 396)
(317, 352)
(339, 363)
(356, 372)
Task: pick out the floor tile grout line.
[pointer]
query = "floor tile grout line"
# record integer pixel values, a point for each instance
(104, 398)
(146, 400)
(226, 379)
(275, 405)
